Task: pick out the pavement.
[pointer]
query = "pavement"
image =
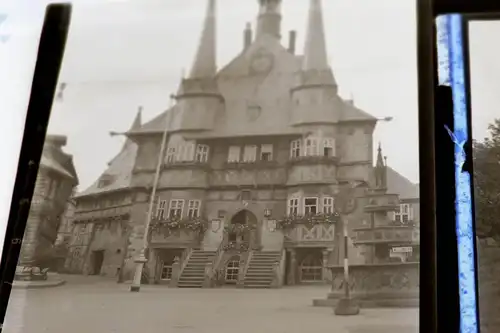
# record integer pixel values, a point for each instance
(98, 305)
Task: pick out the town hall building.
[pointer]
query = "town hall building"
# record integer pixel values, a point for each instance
(263, 164)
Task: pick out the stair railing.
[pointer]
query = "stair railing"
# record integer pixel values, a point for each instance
(178, 267)
(244, 264)
(278, 271)
(211, 268)
(185, 259)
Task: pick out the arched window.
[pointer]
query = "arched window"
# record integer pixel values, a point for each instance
(311, 269)
(232, 270)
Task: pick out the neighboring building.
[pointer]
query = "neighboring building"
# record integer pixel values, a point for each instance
(264, 143)
(54, 184)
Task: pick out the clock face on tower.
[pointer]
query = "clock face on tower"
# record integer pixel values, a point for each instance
(262, 62)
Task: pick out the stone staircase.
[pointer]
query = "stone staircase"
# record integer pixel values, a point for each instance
(193, 274)
(260, 272)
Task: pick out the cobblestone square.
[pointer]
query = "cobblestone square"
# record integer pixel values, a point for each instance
(94, 305)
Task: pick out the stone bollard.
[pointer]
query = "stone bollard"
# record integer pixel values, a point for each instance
(176, 272)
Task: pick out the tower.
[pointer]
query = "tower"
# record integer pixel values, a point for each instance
(198, 98)
(380, 171)
(314, 96)
(269, 19)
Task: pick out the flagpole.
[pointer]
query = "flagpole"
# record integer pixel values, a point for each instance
(141, 259)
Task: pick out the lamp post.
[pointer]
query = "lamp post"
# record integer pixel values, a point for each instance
(346, 306)
(141, 259)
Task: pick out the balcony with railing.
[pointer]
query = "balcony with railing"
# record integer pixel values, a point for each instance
(309, 230)
(176, 232)
(409, 233)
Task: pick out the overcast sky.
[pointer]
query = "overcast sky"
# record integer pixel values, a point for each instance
(124, 54)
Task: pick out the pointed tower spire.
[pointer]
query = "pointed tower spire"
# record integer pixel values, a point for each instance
(138, 120)
(380, 158)
(205, 62)
(315, 53)
(136, 124)
(381, 170)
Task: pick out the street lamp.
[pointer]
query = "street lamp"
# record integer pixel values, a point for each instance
(346, 306)
(141, 259)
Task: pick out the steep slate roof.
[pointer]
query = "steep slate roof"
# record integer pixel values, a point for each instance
(119, 171)
(398, 184)
(55, 159)
(271, 91)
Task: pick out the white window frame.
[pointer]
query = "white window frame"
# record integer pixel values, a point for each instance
(160, 208)
(404, 214)
(194, 207)
(171, 155)
(296, 148)
(168, 275)
(176, 205)
(328, 206)
(293, 206)
(201, 155)
(234, 154)
(266, 149)
(306, 207)
(249, 153)
(232, 271)
(329, 143)
(311, 146)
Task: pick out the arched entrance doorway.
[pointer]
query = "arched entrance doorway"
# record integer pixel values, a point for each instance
(243, 230)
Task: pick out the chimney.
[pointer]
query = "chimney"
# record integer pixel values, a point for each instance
(291, 41)
(247, 39)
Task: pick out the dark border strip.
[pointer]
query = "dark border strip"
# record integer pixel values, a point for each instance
(49, 59)
(426, 82)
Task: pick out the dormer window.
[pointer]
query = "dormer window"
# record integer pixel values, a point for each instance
(105, 181)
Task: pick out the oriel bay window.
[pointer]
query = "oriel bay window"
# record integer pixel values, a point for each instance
(328, 205)
(194, 208)
(187, 152)
(201, 155)
(295, 149)
(310, 206)
(250, 154)
(160, 209)
(313, 146)
(293, 206)
(234, 154)
(266, 152)
(175, 208)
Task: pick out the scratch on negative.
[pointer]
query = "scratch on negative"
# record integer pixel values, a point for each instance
(460, 156)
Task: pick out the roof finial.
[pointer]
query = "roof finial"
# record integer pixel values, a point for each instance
(205, 62)
(380, 159)
(315, 53)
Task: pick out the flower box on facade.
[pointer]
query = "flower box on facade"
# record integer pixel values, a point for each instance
(176, 231)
